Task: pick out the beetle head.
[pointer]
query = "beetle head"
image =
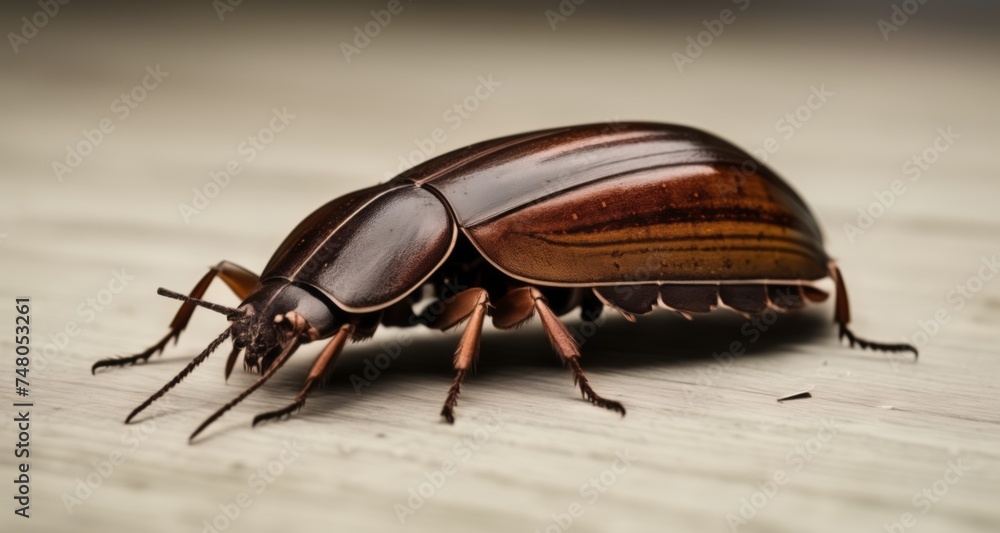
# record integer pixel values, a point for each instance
(273, 317)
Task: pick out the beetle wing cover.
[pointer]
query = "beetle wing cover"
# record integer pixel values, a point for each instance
(632, 202)
(368, 249)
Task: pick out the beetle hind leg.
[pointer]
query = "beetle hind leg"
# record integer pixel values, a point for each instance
(842, 316)
(518, 306)
(864, 344)
(239, 279)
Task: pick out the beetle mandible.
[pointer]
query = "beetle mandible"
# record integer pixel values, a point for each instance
(632, 216)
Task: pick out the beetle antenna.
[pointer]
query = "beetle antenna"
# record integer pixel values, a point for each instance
(228, 311)
(284, 356)
(183, 373)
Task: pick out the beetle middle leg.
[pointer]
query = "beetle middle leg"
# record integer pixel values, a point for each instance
(518, 306)
(472, 305)
(239, 279)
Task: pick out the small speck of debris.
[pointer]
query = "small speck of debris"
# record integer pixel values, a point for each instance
(887, 407)
(380, 435)
(797, 396)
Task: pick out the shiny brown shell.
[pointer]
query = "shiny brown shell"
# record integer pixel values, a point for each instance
(584, 206)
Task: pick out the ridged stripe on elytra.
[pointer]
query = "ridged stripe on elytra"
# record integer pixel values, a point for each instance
(679, 223)
(536, 165)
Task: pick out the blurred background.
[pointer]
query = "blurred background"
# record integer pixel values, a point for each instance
(146, 141)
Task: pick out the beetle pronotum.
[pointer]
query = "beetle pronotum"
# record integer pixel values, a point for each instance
(632, 216)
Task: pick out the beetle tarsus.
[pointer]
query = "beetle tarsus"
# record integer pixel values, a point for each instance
(140, 357)
(580, 379)
(864, 344)
(284, 412)
(448, 411)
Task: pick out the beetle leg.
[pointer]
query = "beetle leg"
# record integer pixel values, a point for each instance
(472, 305)
(842, 315)
(319, 372)
(517, 307)
(239, 279)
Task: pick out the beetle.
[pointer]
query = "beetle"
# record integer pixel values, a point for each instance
(631, 216)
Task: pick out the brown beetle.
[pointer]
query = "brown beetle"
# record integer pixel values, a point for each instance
(633, 216)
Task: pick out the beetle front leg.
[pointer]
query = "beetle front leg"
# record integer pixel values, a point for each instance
(319, 372)
(518, 306)
(471, 305)
(239, 279)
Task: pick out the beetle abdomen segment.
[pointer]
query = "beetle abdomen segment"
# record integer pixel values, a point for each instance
(634, 299)
(748, 298)
(700, 298)
(686, 298)
(676, 223)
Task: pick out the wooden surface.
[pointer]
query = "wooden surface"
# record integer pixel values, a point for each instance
(704, 433)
